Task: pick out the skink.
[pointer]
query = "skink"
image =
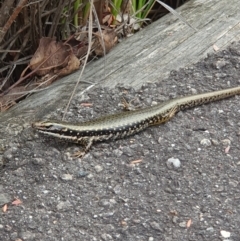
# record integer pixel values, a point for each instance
(127, 123)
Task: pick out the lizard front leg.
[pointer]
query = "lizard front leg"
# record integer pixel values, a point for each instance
(86, 142)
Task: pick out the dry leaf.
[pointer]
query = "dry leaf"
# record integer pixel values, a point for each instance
(136, 161)
(108, 19)
(174, 212)
(53, 57)
(123, 223)
(72, 65)
(4, 208)
(109, 38)
(81, 51)
(215, 47)
(86, 104)
(16, 202)
(227, 149)
(189, 223)
(79, 44)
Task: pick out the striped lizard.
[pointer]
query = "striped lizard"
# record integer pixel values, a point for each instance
(127, 123)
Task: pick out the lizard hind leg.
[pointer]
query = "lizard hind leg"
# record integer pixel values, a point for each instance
(87, 143)
(127, 106)
(167, 116)
(172, 112)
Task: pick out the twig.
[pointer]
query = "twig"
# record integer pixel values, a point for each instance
(14, 15)
(85, 62)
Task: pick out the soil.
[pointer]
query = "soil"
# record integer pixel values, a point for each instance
(129, 189)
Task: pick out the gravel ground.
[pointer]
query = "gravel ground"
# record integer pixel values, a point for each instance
(178, 181)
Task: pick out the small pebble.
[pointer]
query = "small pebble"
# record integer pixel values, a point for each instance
(82, 173)
(67, 177)
(219, 64)
(173, 162)
(225, 234)
(117, 189)
(63, 205)
(205, 142)
(106, 237)
(194, 91)
(117, 152)
(210, 229)
(38, 161)
(226, 142)
(175, 219)
(98, 168)
(182, 224)
(215, 142)
(155, 226)
(90, 176)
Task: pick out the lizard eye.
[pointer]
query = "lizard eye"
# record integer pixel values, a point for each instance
(55, 127)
